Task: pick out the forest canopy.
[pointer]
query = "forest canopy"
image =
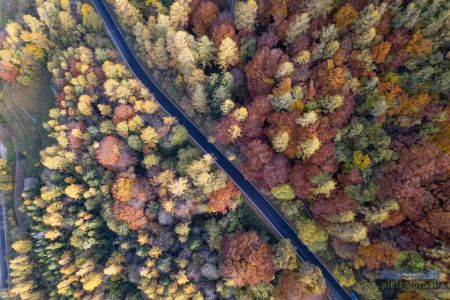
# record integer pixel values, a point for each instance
(336, 110)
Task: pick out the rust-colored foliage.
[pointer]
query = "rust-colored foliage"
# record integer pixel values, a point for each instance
(394, 219)
(223, 200)
(73, 67)
(123, 112)
(223, 30)
(385, 24)
(414, 104)
(283, 87)
(354, 176)
(378, 253)
(261, 70)
(380, 51)
(273, 10)
(300, 177)
(275, 172)
(408, 180)
(345, 250)
(337, 203)
(127, 187)
(222, 129)
(268, 39)
(325, 158)
(390, 90)
(256, 155)
(318, 23)
(75, 131)
(328, 80)
(441, 138)
(258, 111)
(8, 72)
(399, 38)
(301, 43)
(142, 190)
(437, 223)
(418, 46)
(114, 154)
(339, 57)
(130, 213)
(247, 259)
(356, 65)
(203, 16)
(290, 288)
(98, 71)
(412, 237)
(131, 194)
(345, 16)
(279, 9)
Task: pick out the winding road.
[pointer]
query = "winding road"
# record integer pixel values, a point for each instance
(259, 202)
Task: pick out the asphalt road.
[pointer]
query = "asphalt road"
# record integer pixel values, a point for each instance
(271, 215)
(4, 270)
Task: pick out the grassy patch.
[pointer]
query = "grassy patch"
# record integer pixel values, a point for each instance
(10, 154)
(25, 109)
(2, 14)
(10, 9)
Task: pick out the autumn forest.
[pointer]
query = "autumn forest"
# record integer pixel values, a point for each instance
(337, 111)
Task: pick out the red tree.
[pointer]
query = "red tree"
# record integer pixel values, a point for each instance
(203, 16)
(114, 154)
(409, 179)
(337, 203)
(223, 29)
(131, 214)
(300, 177)
(377, 253)
(261, 70)
(256, 154)
(290, 288)
(223, 199)
(247, 259)
(123, 112)
(8, 72)
(258, 112)
(275, 172)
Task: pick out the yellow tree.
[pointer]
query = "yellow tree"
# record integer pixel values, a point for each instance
(228, 53)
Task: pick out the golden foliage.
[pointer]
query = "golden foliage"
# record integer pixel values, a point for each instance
(345, 16)
(150, 136)
(122, 187)
(228, 53)
(22, 246)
